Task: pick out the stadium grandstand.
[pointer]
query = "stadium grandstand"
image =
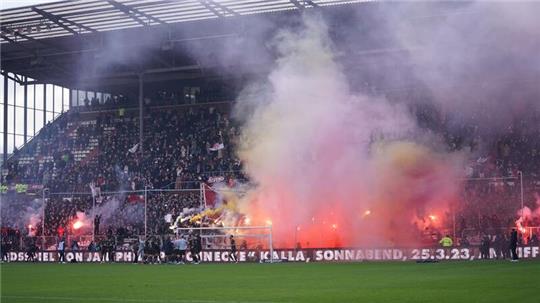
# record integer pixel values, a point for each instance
(213, 131)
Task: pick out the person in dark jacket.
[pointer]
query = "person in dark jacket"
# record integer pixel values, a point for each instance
(194, 249)
(168, 250)
(232, 253)
(484, 247)
(500, 246)
(513, 245)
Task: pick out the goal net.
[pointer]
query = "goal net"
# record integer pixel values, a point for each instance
(253, 243)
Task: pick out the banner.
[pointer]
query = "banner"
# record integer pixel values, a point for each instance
(21, 188)
(301, 255)
(215, 179)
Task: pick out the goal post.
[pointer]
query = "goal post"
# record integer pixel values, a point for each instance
(246, 237)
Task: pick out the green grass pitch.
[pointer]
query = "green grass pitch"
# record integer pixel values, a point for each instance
(476, 281)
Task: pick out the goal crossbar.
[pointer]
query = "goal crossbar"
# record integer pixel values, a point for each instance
(225, 229)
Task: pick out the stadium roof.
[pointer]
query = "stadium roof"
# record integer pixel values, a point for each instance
(72, 43)
(68, 18)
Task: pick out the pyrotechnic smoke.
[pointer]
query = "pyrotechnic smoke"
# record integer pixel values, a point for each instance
(114, 211)
(323, 157)
(478, 60)
(527, 214)
(24, 214)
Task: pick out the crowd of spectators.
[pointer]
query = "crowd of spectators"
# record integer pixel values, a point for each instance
(184, 145)
(181, 148)
(214, 92)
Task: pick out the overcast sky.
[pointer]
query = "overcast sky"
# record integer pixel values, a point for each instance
(5, 4)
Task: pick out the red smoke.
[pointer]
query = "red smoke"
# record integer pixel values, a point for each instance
(337, 164)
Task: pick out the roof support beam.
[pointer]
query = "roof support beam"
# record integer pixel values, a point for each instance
(16, 33)
(210, 8)
(297, 4)
(310, 2)
(54, 19)
(8, 39)
(301, 4)
(60, 21)
(223, 8)
(217, 9)
(6, 74)
(134, 13)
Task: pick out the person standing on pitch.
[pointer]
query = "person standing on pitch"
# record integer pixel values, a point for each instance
(104, 248)
(446, 242)
(62, 250)
(193, 249)
(199, 247)
(97, 221)
(513, 245)
(484, 247)
(182, 245)
(6, 246)
(232, 254)
(140, 252)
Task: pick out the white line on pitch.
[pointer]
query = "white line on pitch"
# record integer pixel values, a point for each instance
(83, 299)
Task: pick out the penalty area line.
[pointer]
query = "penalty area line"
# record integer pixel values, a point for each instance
(102, 299)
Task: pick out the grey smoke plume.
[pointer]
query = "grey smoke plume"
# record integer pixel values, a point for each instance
(323, 156)
(318, 151)
(21, 213)
(478, 60)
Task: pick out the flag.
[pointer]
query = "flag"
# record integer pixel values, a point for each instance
(210, 196)
(93, 189)
(482, 160)
(217, 146)
(96, 191)
(134, 148)
(135, 198)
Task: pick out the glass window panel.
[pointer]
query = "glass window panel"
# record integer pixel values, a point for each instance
(30, 96)
(73, 97)
(10, 91)
(99, 97)
(49, 100)
(1, 88)
(57, 99)
(82, 96)
(10, 144)
(49, 117)
(19, 120)
(1, 122)
(38, 121)
(19, 141)
(10, 116)
(66, 99)
(19, 94)
(30, 122)
(39, 96)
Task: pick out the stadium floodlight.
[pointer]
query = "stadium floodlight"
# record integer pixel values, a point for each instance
(246, 237)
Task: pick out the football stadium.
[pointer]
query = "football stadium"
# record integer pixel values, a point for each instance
(269, 151)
